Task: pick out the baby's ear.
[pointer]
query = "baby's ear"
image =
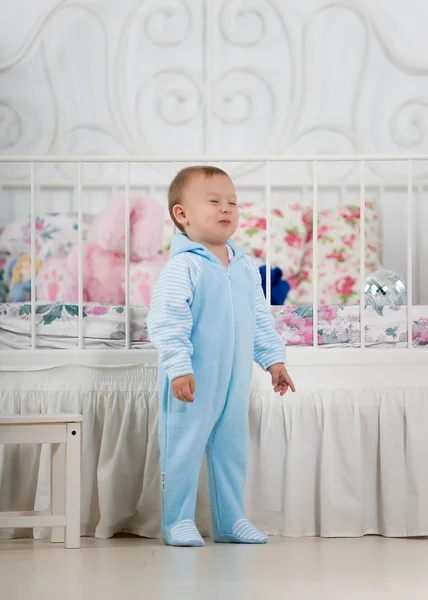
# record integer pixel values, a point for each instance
(180, 214)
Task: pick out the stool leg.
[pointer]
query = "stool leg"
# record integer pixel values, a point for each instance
(72, 487)
(57, 488)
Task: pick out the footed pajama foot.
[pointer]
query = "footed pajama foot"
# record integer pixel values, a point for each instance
(243, 532)
(184, 533)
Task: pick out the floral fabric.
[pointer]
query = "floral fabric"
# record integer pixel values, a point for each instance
(338, 255)
(55, 234)
(340, 325)
(104, 326)
(288, 235)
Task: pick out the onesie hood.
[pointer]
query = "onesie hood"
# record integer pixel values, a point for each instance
(181, 243)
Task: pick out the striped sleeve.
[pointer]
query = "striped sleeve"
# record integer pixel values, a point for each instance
(170, 319)
(269, 349)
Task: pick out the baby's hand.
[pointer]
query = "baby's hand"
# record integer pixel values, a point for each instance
(281, 380)
(183, 388)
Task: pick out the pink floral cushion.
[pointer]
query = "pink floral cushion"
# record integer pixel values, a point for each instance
(288, 234)
(338, 255)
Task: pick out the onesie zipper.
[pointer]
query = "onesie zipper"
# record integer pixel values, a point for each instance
(231, 305)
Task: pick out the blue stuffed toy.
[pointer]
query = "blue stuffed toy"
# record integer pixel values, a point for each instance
(278, 286)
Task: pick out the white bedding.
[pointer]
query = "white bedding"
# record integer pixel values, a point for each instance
(329, 462)
(57, 326)
(104, 326)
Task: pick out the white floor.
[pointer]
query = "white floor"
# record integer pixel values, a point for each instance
(285, 569)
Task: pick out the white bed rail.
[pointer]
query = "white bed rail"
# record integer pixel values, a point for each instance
(266, 162)
(253, 158)
(80, 255)
(314, 253)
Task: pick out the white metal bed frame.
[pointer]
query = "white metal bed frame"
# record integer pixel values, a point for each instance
(298, 357)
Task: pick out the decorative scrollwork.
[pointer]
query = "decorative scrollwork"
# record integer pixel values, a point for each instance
(237, 94)
(408, 124)
(242, 23)
(176, 96)
(10, 125)
(170, 24)
(246, 78)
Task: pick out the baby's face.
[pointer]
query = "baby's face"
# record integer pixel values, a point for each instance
(210, 208)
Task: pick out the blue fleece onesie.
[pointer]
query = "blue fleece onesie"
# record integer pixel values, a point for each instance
(212, 322)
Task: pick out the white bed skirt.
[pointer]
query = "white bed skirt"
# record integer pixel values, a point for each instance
(322, 462)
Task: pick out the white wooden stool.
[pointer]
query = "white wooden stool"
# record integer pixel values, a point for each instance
(63, 432)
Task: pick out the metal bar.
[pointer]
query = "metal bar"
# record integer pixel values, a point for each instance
(215, 158)
(33, 254)
(417, 252)
(268, 233)
(127, 259)
(315, 254)
(208, 44)
(381, 204)
(410, 255)
(107, 185)
(362, 255)
(79, 256)
(3, 206)
(423, 247)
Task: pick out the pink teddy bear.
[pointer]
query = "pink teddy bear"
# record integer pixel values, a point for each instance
(103, 257)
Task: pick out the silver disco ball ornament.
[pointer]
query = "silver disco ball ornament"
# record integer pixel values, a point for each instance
(385, 288)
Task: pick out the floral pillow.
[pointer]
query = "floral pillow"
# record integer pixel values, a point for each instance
(288, 234)
(55, 234)
(338, 255)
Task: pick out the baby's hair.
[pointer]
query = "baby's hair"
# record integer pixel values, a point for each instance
(181, 180)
